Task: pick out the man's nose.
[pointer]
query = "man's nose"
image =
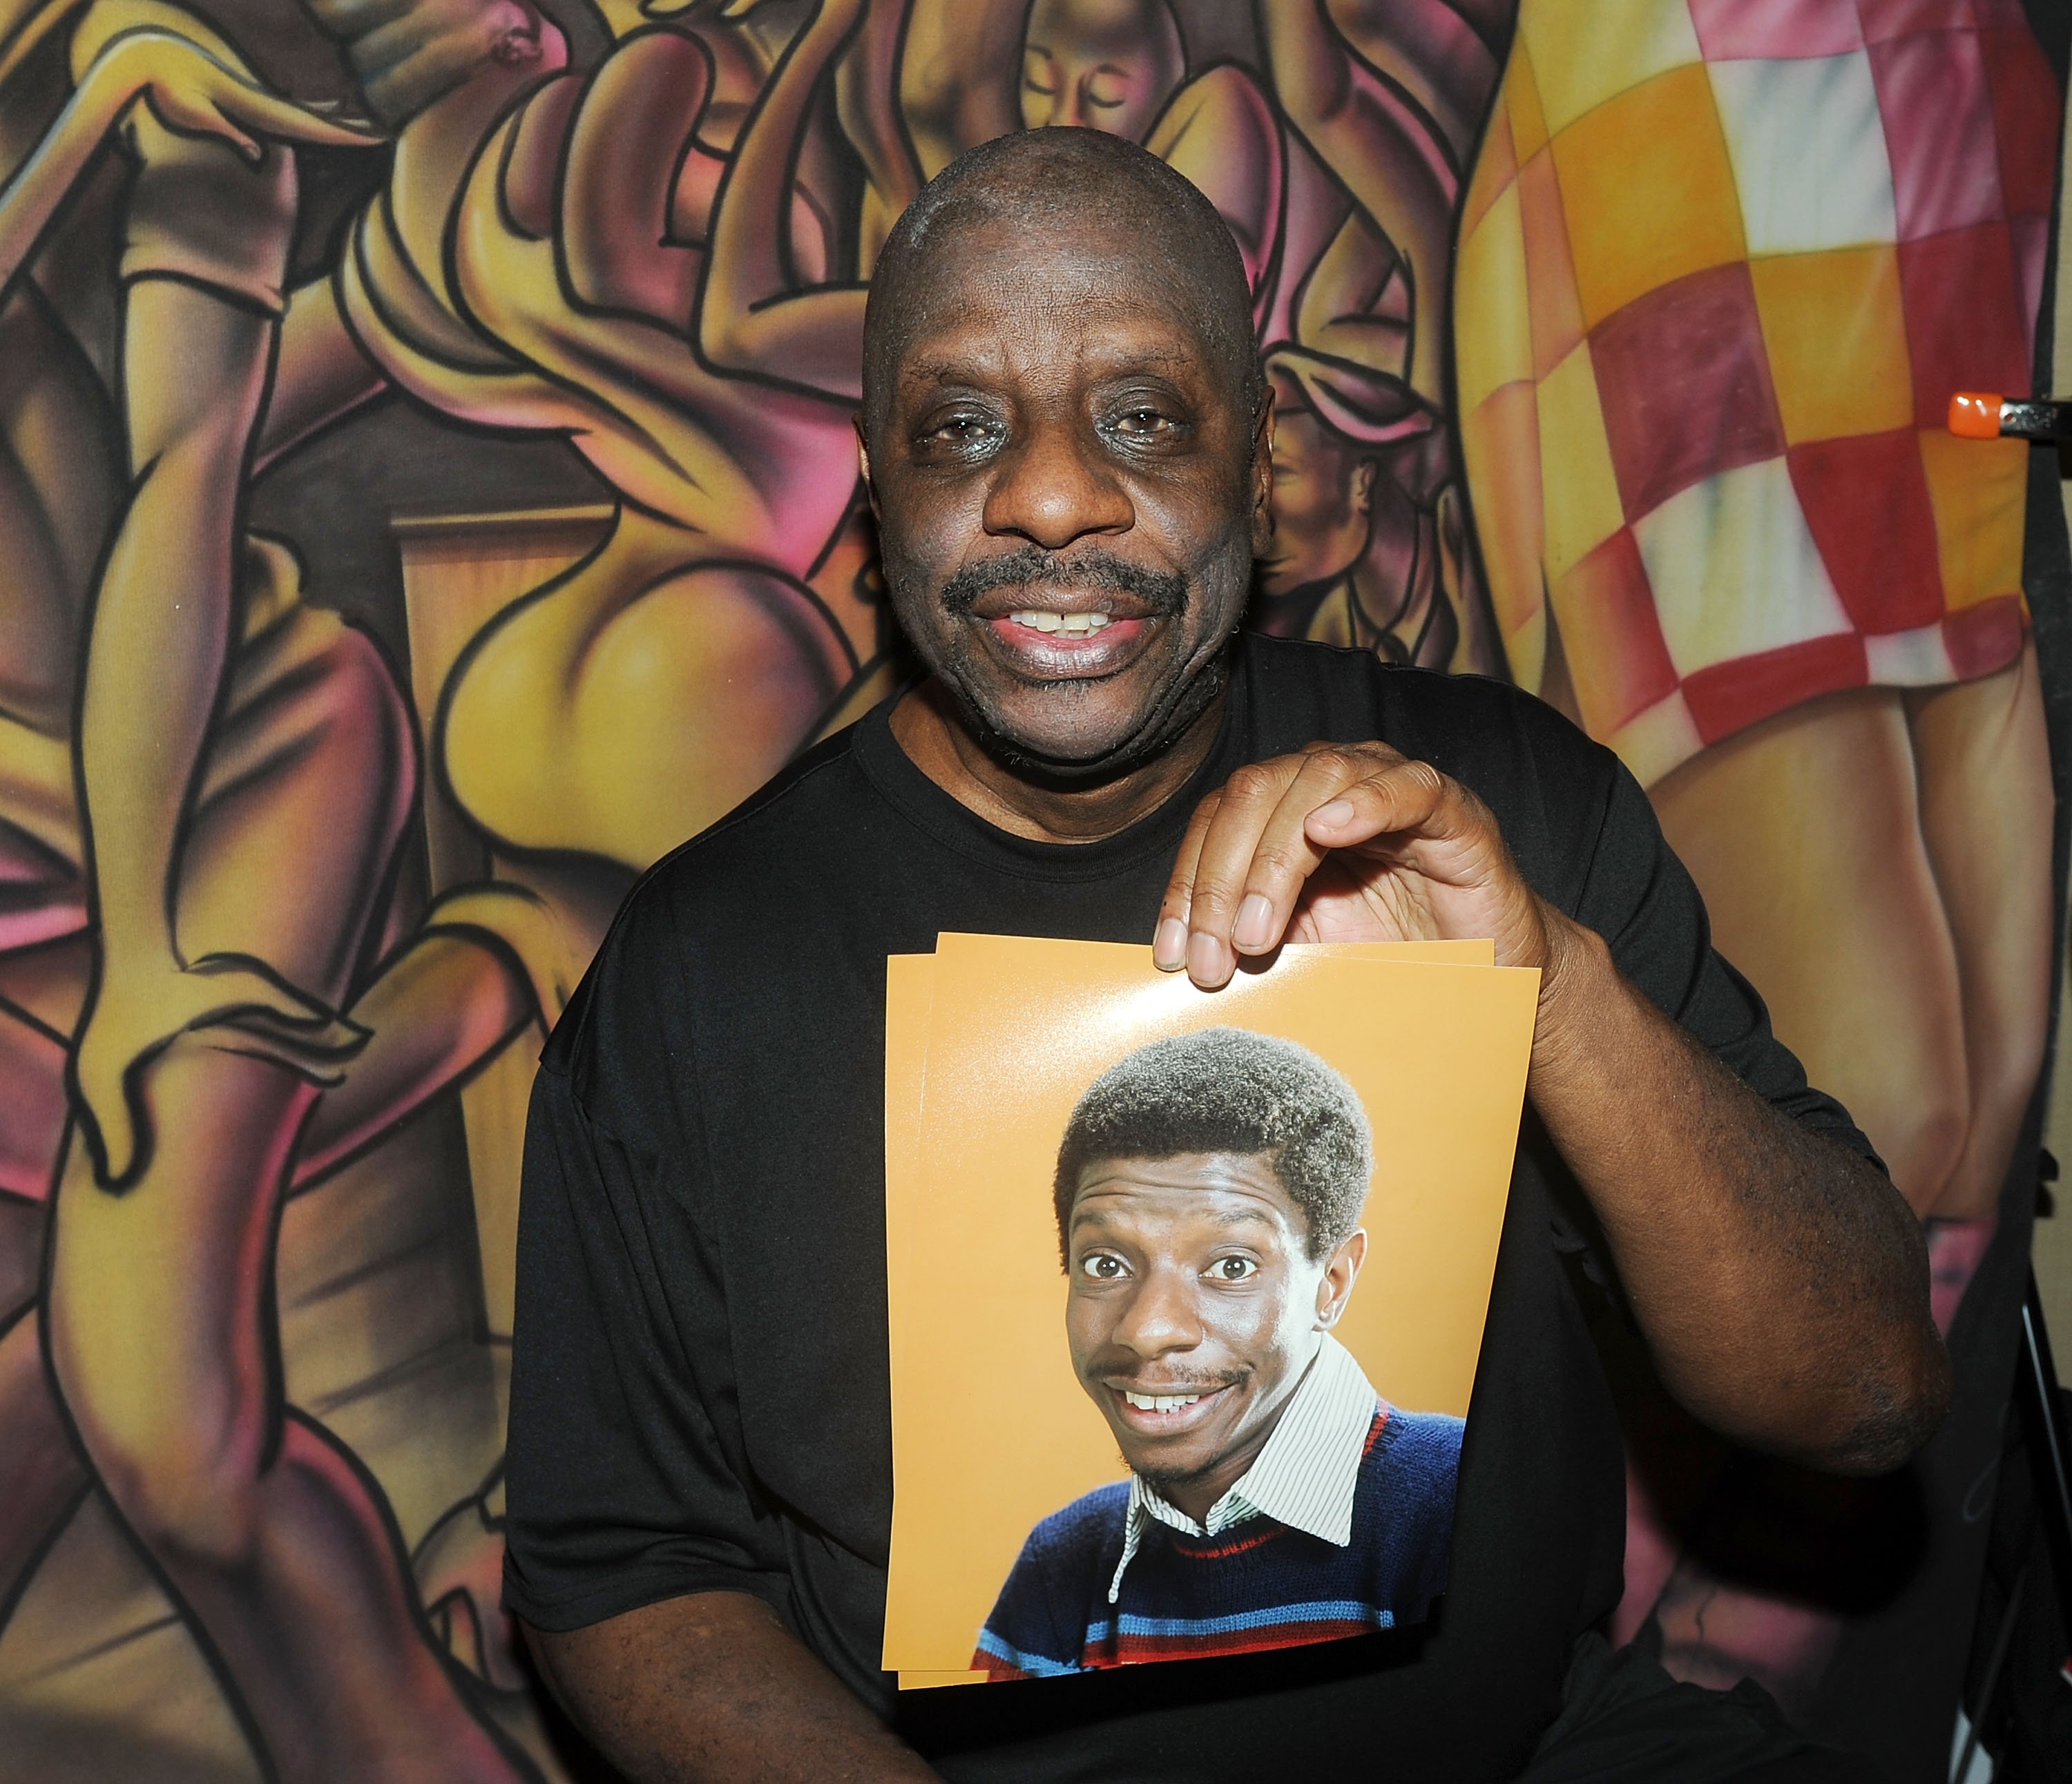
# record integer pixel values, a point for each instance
(1161, 1317)
(1053, 489)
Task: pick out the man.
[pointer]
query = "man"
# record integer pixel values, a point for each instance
(1068, 442)
(1208, 1199)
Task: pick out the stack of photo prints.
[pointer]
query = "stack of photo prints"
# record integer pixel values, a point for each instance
(1186, 1290)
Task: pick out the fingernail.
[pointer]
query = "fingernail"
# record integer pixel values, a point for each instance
(1205, 964)
(1168, 945)
(1254, 927)
(1338, 811)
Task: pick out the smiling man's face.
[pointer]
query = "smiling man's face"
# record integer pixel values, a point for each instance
(1070, 491)
(1193, 1310)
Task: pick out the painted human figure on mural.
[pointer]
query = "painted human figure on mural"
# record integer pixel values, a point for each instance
(1370, 545)
(1705, 355)
(225, 734)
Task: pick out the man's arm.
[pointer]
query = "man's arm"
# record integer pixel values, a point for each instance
(629, 1525)
(712, 1687)
(1781, 1280)
(1778, 1277)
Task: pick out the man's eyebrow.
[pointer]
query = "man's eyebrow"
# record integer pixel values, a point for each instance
(1237, 1217)
(941, 370)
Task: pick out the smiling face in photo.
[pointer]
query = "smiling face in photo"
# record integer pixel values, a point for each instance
(1194, 1309)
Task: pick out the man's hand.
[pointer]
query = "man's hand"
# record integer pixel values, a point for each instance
(1779, 1279)
(1345, 842)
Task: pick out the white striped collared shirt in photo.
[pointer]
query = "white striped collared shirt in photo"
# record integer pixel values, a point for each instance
(1306, 1475)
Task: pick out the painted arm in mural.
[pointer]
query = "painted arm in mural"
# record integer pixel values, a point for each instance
(1779, 1278)
(1394, 164)
(1429, 52)
(960, 75)
(188, 90)
(712, 1687)
(751, 319)
(867, 103)
(164, 608)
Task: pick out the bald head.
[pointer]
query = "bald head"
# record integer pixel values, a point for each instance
(1054, 191)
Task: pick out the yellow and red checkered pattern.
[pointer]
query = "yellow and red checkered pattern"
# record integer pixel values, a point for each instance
(1723, 263)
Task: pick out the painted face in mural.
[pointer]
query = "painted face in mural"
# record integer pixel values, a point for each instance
(1323, 506)
(1069, 482)
(1193, 1308)
(1105, 64)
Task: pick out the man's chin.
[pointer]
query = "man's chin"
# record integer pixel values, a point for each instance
(1069, 736)
(1168, 1476)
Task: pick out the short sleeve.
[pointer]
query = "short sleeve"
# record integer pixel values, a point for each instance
(625, 1478)
(1641, 899)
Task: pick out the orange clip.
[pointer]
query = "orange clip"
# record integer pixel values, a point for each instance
(1973, 417)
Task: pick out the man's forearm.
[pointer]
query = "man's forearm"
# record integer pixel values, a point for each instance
(1780, 1279)
(711, 1689)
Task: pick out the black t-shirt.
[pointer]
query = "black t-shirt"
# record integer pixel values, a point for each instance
(699, 1382)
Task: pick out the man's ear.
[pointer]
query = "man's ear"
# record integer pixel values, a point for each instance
(1336, 1289)
(863, 463)
(1262, 475)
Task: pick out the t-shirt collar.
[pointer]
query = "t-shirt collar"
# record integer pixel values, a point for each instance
(1306, 1476)
(938, 813)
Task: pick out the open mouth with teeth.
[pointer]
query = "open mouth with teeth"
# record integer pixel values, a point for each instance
(1077, 639)
(1163, 1414)
(1159, 1402)
(1064, 625)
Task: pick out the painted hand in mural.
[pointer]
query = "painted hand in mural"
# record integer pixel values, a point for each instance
(139, 1010)
(184, 89)
(190, 91)
(1343, 843)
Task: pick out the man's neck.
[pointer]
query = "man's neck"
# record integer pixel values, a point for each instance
(927, 725)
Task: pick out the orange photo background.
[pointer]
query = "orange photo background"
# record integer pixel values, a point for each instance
(990, 1042)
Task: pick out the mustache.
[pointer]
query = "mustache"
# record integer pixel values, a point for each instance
(1164, 593)
(1206, 1385)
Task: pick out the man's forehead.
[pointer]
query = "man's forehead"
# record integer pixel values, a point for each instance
(968, 353)
(1233, 1185)
(1043, 257)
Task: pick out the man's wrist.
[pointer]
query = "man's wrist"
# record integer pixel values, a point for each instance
(1574, 977)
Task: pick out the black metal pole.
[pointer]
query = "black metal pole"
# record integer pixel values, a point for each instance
(2049, 1444)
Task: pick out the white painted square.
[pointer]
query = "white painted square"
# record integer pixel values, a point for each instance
(1735, 570)
(1808, 152)
(1916, 659)
(1657, 739)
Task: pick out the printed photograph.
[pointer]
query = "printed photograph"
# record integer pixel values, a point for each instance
(1184, 1338)
(1209, 1193)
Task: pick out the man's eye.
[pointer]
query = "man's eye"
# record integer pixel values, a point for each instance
(1140, 424)
(1103, 1267)
(961, 432)
(1233, 1269)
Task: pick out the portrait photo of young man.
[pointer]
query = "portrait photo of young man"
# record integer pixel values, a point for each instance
(1208, 1194)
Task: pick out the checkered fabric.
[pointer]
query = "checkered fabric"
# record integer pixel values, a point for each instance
(1723, 264)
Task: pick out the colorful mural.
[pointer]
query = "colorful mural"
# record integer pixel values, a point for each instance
(429, 494)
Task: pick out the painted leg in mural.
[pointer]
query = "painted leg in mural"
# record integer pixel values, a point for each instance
(1878, 862)
(270, 1535)
(41, 1476)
